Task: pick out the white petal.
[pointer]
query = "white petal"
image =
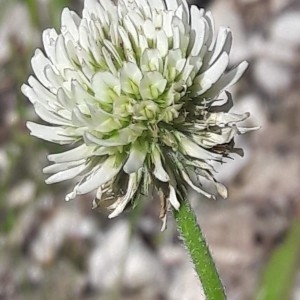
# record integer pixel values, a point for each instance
(152, 85)
(111, 9)
(159, 171)
(162, 43)
(80, 94)
(63, 60)
(32, 95)
(64, 100)
(70, 196)
(172, 4)
(91, 7)
(144, 7)
(157, 4)
(109, 61)
(109, 169)
(50, 116)
(173, 198)
(223, 44)
(210, 76)
(194, 187)
(186, 11)
(181, 35)
(131, 28)
(68, 22)
(151, 61)
(54, 78)
(39, 63)
(62, 166)
(211, 139)
(133, 183)
(149, 30)
(81, 120)
(49, 40)
(136, 158)
(123, 137)
(176, 38)
(130, 76)
(74, 154)
(223, 118)
(211, 29)
(222, 190)
(50, 133)
(243, 130)
(127, 46)
(227, 80)
(114, 52)
(186, 75)
(174, 64)
(228, 104)
(106, 86)
(198, 32)
(72, 81)
(164, 223)
(136, 18)
(45, 96)
(192, 149)
(66, 175)
(84, 40)
(105, 122)
(167, 23)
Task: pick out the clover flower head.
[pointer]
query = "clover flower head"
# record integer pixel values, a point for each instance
(135, 88)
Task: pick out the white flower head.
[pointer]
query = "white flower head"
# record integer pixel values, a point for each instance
(134, 89)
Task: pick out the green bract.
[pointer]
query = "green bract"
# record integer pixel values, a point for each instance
(134, 89)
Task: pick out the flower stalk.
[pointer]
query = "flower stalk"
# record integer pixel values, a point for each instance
(199, 252)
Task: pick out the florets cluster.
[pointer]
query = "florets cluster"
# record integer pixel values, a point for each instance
(135, 88)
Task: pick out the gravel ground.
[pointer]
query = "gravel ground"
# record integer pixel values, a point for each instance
(50, 249)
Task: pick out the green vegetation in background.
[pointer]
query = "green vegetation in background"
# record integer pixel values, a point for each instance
(55, 8)
(278, 277)
(34, 12)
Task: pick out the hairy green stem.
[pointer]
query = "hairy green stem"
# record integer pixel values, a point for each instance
(199, 252)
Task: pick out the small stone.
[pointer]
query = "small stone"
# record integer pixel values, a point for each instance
(296, 292)
(272, 76)
(15, 24)
(171, 255)
(185, 284)
(286, 29)
(119, 258)
(279, 5)
(21, 194)
(108, 255)
(4, 162)
(63, 224)
(272, 49)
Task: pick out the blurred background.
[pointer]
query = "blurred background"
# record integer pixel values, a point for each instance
(50, 249)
